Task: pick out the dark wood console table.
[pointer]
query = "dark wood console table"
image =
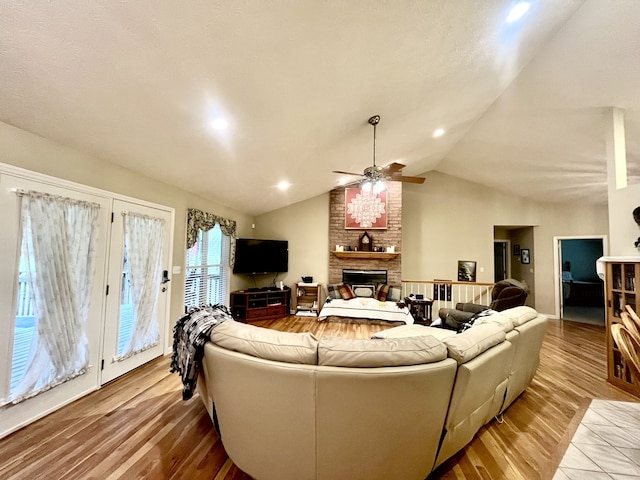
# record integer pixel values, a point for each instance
(249, 305)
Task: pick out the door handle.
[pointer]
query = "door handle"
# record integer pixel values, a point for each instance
(165, 277)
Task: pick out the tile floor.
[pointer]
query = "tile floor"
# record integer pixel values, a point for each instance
(606, 445)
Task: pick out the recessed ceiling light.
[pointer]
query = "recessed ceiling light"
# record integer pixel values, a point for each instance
(219, 124)
(284, 185)
(438, 133)
(518, 10)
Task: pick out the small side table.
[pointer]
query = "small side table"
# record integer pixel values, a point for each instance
(308, 298)
(420, 309)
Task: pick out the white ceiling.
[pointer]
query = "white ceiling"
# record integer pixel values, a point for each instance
(137, 83)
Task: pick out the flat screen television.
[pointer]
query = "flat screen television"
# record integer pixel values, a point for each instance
(254, 256)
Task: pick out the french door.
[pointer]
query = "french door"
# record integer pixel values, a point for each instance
(122, 353)
(116, 332)
(19, 323)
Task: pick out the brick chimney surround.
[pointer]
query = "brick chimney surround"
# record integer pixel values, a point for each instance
(391, 236)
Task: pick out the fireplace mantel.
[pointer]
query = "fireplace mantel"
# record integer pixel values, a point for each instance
(366, 255)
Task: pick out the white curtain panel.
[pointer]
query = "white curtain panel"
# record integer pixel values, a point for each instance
(143, 243)
(58, 247)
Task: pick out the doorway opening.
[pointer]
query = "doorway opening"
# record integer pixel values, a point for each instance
(579, 291)
(501, 266)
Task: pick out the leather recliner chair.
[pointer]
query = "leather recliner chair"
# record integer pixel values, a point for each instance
(506, 294)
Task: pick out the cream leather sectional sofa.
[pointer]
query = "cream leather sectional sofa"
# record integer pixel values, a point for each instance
(289, 406)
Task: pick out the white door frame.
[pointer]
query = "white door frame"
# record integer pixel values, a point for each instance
(557, 267)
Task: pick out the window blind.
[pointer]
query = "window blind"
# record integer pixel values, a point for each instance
(207, 269)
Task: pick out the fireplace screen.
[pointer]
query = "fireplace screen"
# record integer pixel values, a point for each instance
(364, 277)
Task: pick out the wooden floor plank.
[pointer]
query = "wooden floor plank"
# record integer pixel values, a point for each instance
(138, 427)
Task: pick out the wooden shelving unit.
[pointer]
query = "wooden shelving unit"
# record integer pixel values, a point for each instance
(308, 298)
(366, 255)
(623, 281)
(248, 305)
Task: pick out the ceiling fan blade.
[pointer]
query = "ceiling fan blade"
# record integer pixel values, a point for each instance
(347, 173)
(402, 178)
(393, 168)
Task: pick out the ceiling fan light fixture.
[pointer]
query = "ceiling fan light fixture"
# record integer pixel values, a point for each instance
(379, 187)
(219, 123)
(366, 186)
(518, 11)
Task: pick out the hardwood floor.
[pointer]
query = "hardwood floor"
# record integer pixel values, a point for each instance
(138, 426)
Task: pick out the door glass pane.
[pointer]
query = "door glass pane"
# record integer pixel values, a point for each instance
(143, 242)
(24, 327)
(125, 326)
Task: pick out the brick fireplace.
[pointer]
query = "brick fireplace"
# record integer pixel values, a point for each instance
(391, 236)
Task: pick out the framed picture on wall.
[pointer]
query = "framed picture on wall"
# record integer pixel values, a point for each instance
(516, 250)
(524, 256)
(466, 271)
(365, 209)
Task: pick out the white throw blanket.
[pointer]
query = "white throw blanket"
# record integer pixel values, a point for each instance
(367, 308)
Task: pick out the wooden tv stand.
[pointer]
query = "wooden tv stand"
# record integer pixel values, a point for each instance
(252, 305)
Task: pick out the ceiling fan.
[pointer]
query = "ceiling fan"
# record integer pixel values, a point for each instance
(374, 176)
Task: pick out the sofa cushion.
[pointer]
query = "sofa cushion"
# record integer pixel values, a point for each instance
(471, 343)
(404, 331)
(520, 315)
(499, 319)
(388, 352)
(265, 343)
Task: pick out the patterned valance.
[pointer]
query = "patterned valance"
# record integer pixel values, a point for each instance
(199, 220)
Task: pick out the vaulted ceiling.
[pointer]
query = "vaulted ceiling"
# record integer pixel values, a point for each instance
(525, 105)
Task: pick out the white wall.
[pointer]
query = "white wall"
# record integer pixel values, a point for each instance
(448, 219)
(306, 226)
(23, 149)
(561, 220)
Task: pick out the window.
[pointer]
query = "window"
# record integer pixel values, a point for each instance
(207, 269)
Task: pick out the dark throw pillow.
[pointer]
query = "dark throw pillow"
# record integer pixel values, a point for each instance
(334, 290)
(345, 292)
(382, 291)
